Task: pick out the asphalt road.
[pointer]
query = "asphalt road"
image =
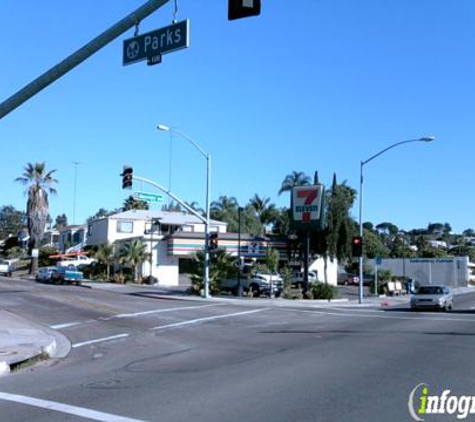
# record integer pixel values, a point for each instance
(138, 356)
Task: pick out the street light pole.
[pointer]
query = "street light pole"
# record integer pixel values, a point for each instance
(362, 163)
(239, 288)
(208, 189)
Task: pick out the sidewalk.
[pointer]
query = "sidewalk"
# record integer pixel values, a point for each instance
(22, 340)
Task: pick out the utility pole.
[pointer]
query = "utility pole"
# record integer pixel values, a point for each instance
(79, 56)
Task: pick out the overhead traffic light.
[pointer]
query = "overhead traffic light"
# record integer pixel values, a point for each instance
(213, 241)
(127, 177)
(238, 9)
(357, 246)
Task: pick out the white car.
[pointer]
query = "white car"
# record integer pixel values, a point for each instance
(435, 297)
(44, 274)
(6, 268)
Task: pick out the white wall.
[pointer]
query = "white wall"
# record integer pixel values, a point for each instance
(449, 271)
(332, 270)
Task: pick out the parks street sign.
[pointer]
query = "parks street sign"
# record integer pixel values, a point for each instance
(157, 42)
(148, 197)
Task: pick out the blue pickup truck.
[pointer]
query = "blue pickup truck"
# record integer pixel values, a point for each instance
(67, 275)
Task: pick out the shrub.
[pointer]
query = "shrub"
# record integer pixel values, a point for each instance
(318, 290)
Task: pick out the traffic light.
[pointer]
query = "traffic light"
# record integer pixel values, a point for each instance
(238, 9)
(213, 241)
(127, 177)
(357, 246)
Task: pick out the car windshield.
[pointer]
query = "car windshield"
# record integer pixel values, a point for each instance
(430, 290)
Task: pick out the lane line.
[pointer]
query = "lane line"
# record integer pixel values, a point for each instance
(387, 316)
(198, 320)
(65, 408)
(99, 340)
(66, 325)
(131, 315)
(158, 311)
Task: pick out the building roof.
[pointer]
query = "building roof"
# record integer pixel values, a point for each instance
(166, 217)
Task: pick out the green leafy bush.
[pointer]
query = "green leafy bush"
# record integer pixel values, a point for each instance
(318, 290)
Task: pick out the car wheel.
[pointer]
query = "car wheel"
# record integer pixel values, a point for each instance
(255, 291)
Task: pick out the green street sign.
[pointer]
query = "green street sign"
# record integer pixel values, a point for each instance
(148, 197)
(153, 44)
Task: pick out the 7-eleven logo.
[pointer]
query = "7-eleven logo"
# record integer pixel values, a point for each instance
(307, 203)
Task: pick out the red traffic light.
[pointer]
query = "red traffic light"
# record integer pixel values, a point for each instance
(357, 246)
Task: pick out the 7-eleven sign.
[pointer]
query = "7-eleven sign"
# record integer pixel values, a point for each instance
(307, 203)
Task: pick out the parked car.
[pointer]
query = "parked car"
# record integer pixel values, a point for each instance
(436, 297)
(298, 278)
(81, 260)
(258, 284)
(44, 274)
(64, 275)
(354, 279)
(6, 268)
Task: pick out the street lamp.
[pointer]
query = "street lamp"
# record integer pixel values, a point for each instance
(208, 183)
(362, 163)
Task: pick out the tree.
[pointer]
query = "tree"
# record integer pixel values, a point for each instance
(61, 222)
(11, 221)
(195, 206)
(39, 184)
(134, 254)
(296, 178)
(135, 204)
(105, 255)
(265, 211)
(340, 227)
(373, 247)
(172, 207)
(222, 266)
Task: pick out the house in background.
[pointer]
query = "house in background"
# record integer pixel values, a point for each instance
(173, 236)
(72, 238)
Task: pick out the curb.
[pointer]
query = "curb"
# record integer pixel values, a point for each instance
(39, 340)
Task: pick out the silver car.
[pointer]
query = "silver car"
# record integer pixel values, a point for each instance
(435, 297)
(44, 274)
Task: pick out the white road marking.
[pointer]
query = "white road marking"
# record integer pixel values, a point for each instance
(66, 325)
(132, 315)
(99, 340)
(65, 408)
(414, 318)
(195, 321)
(159, 311)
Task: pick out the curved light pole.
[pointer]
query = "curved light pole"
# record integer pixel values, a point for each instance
(208, 184)
(362, 163)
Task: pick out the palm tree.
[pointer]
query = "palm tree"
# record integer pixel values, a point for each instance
(265, 211)
(134, 254)
(39, 183)
(225, 204)
(135, 204)
(194, 205)
(105, 255)
(296, 178)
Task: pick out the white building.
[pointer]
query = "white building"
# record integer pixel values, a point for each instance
(168, 236)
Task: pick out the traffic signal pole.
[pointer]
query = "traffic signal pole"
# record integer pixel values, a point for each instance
(79, 56)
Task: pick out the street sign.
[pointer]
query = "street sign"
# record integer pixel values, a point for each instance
(148, 197)
(152, 44)
(307, 203)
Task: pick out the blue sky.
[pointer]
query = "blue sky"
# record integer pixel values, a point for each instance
(308, 85)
